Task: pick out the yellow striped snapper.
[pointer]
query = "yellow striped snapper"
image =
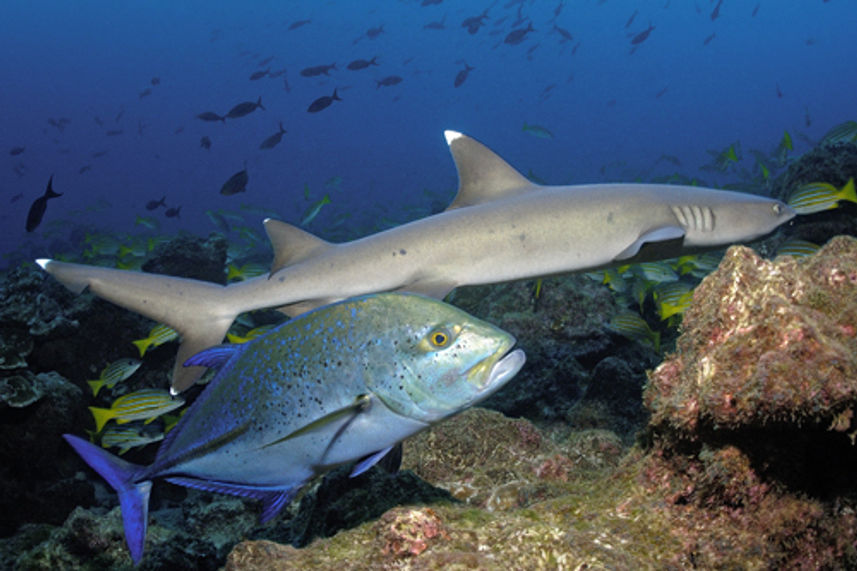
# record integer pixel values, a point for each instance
(145, 404)
(159, 335)
(672, 298)
(114, 373)
(819, 196)
(843, 133)
(130, 436)
(632, 326)
(798, 248)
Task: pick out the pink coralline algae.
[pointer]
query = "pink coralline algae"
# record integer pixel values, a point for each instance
(765, 343)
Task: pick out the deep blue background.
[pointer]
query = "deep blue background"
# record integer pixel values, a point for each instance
(87, 59)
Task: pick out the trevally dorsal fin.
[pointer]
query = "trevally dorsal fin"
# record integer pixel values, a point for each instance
(291, 244)
(482, 175)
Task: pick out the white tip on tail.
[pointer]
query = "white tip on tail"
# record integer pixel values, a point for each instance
(43, 262)
(451, 136)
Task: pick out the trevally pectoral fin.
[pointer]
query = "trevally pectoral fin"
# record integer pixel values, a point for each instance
(273, 499)
(359, 405)
(661, 234)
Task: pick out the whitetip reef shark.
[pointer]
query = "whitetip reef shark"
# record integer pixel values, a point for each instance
(500, 227)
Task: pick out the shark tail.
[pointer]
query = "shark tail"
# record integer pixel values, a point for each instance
(198, 310)
(133, 496)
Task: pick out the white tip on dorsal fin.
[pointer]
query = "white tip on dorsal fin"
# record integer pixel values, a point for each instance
(482, 175)
(291, 244)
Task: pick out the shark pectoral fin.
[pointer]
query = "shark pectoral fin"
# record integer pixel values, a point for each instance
(273, 498)
(291, 244)
(195, 340)
(482, 175)
(660, 234)
(430, 288)
(368, 462)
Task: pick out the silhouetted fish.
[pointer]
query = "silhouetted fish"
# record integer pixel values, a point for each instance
(298, 23)
(173, 212)
(211, 116)
(236, 183)
(37, 209)
(317, 70)
(372, 33)
(205, 142)
(642, 36)
(362, 64)
(515, 37)
(155, 204)
(259, 74)
(16, 151)
(323, 102)
(461, 76)
(389, 80)
(274, 139)
(245, 108)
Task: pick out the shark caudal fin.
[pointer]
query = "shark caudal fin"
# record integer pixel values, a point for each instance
(133, 496)
(198, 310)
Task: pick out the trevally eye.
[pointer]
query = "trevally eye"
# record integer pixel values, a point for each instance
(439, 338)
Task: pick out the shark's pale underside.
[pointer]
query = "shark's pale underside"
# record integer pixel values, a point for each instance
(500, 227)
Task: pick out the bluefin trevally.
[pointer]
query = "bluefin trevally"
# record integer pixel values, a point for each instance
(342, 383)
(500, 227)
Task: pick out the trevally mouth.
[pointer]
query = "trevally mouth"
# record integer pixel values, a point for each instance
(504, 365)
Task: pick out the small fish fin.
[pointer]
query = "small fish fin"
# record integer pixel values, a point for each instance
(291, 244)
(661, 234)
(482, 175)
(101, 416)
(133, 496)
(368, 462)
(847, 192)
(95, 386)
(142, 345)
(273, 499)
(213, 357)
(49, 192)
(435, 289)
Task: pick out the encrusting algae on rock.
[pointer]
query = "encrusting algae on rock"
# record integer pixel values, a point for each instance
(765, 342)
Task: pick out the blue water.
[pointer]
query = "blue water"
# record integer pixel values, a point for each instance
(90, 60)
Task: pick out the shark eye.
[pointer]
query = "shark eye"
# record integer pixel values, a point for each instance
(778, 209)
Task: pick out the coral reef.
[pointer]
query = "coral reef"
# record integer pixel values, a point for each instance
(765, 343)
(190, 257)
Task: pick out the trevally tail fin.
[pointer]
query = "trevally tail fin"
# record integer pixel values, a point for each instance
(198, 310)
(133, 496)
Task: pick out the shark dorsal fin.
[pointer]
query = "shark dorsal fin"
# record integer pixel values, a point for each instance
(482, 175)
(291, 244)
